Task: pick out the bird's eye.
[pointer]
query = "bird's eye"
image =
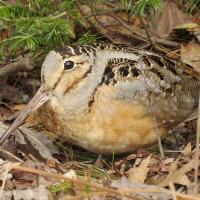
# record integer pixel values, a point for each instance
(69, 65)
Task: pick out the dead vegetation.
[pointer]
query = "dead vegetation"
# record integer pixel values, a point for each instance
(36, 165)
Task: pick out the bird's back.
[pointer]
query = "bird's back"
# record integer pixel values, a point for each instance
(154, 81)
(132, 89)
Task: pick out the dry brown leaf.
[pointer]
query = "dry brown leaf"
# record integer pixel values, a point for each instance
(189, 26)
(38, 193)
(139, 174)
(32, 142)
(171, 17)
(168, 161)
(190, 29)
(141, 190)
(113, 26)
(178, 175)
(36, 143)
(187, 150)
(190, 54)
(19, 107)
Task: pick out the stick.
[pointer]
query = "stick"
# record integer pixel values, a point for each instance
(23, 64)
(196, 187)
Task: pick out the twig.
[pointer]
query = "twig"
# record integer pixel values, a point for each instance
(7, 106)
(125, 25)
(118, 19)
(11, 155)
(166, 42)
(196, 187)
(62, 177)
(120, 192)
(22, 64)
(143, 37)
(161, 49)
(174, 54)
(61, 15)
(140, 35)
(147, 32)
(6, 170)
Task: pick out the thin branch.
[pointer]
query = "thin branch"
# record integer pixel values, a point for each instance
(141, 36)
(147, 32)
(22, 64)
(125, 25)
(60, 15)
(81, 182)
(166, 42)
(11, 155)
(5, 173)
(196, 186)
(129, 193)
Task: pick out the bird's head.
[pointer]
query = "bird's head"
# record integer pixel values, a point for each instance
(61, 71)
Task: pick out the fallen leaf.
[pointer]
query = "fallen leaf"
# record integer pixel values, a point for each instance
(190, 54)
(19, 107)
(32, 142)
(38, 145)
(38, 193)
(189, 26)
(141, 190)
(178, 175)
(168, 161)
(139, 174)
(187, 150)
(187, 31)
(114, 27)
(170, 17)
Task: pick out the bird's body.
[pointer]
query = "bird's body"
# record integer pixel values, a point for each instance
(106, 98)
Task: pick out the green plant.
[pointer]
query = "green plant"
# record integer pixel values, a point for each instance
(37, 25)
(141, 6)
(61, 187)
(87, 38)
(192, 6)
(127, 6)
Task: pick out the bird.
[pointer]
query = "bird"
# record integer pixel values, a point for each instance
(107, 97)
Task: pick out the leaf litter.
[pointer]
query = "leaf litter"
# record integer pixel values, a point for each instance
(35, 166)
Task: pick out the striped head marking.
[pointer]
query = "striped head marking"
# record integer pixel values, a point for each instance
(62, 70)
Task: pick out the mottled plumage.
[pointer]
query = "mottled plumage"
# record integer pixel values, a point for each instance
(106, 97)
(106, 102)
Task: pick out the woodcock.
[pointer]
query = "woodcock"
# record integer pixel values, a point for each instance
(104, 97)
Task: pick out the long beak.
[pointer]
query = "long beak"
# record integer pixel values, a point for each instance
(39, 99)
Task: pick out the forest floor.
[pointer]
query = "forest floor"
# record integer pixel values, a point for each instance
(35, 164)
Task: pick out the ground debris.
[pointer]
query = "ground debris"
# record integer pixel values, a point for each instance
(30, 142)
(38, 193)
